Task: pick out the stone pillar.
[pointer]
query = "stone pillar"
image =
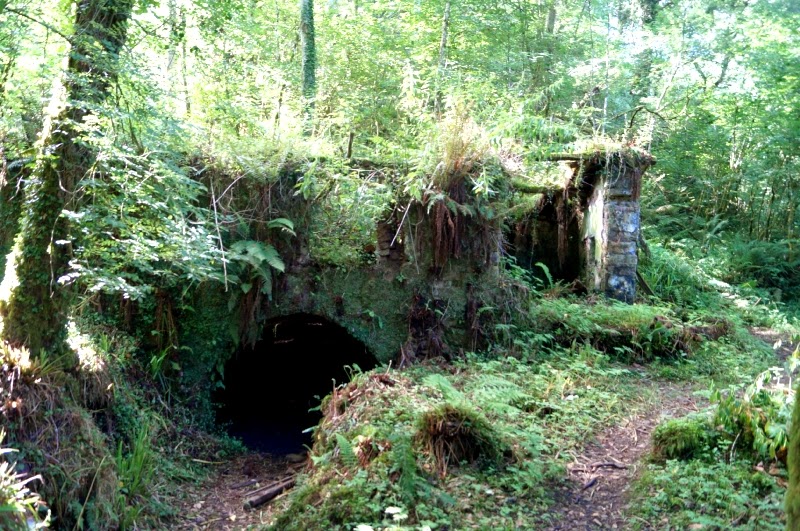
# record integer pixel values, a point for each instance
(620, 230)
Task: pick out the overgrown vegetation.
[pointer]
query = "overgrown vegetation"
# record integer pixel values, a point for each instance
(94, 434)
(20, 508)
(450, 445)
(200, 167)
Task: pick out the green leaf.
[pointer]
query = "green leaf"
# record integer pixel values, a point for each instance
(266, 284)
(282, 223)
(273, 258)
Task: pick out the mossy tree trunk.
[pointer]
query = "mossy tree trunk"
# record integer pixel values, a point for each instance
(36, 312)
(10, 198)
(793, 492)
(309, 66)
(9, 213)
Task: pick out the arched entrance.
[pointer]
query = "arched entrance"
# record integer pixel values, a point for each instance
(270, 387)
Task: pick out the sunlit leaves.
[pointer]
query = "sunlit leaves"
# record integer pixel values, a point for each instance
(140, 226)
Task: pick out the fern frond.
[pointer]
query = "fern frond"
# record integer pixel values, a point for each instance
(266, 282)
(346, 451)
(283, 224)
(498, 394)
(272, 257)
(546, 270)
(439, 382)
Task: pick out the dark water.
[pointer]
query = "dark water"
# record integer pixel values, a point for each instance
(270, 388)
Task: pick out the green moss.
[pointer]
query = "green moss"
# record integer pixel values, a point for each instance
(35, 315)
(207, 341)
(11, 199)
(632, 332)
(684, 438)
(793, 492)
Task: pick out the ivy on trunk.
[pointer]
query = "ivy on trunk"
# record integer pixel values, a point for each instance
(36, 311)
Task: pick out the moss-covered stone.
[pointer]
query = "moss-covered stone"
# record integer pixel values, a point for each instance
(207, 341)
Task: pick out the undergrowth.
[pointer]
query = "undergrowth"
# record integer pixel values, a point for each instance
(20, 508)
(702, 495)
(724, 468)
(474, 444)
(95, 427)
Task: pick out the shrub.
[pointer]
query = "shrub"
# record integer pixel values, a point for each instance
(683, 438)
(20, 509)
(455, 434)
(757, 420)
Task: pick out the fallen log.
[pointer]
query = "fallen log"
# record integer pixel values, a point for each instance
(268, 486)
(244, 484)
(269, 493)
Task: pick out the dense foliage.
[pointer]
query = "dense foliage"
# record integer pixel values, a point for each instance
(143, 146)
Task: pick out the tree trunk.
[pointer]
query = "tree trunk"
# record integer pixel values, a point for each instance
(10, 199)
(36, 311)
(443, 42)
(309, 63)
(439, 97)
(10, 196)
(550, 28)
(793, 492)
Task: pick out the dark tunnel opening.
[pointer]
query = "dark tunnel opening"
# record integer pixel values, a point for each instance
(270, 387)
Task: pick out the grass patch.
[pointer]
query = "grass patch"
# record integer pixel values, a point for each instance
(454, 434)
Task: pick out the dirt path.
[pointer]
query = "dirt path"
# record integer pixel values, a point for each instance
(781, 343)
(218, 502)
(783, 347)
(596, 494)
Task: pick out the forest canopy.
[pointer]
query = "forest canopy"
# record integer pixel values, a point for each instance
(210, 97)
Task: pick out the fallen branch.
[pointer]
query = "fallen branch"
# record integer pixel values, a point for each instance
(266, 487)
(244, 484)
(608, 465)
(204, 462)
(595, 466)
(269, 494)
(643, 283)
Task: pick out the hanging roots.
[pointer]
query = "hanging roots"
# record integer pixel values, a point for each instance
(426, 328)
(448, 225)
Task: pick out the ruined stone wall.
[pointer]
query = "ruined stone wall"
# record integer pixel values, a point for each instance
(593, 222)
(593, 236)
(429, 271)
(620, 230)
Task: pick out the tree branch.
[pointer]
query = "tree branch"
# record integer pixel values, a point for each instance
(43, 24)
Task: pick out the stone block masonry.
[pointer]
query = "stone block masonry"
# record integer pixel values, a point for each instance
(621, 224)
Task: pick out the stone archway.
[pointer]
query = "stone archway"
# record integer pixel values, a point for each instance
(271, 386)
